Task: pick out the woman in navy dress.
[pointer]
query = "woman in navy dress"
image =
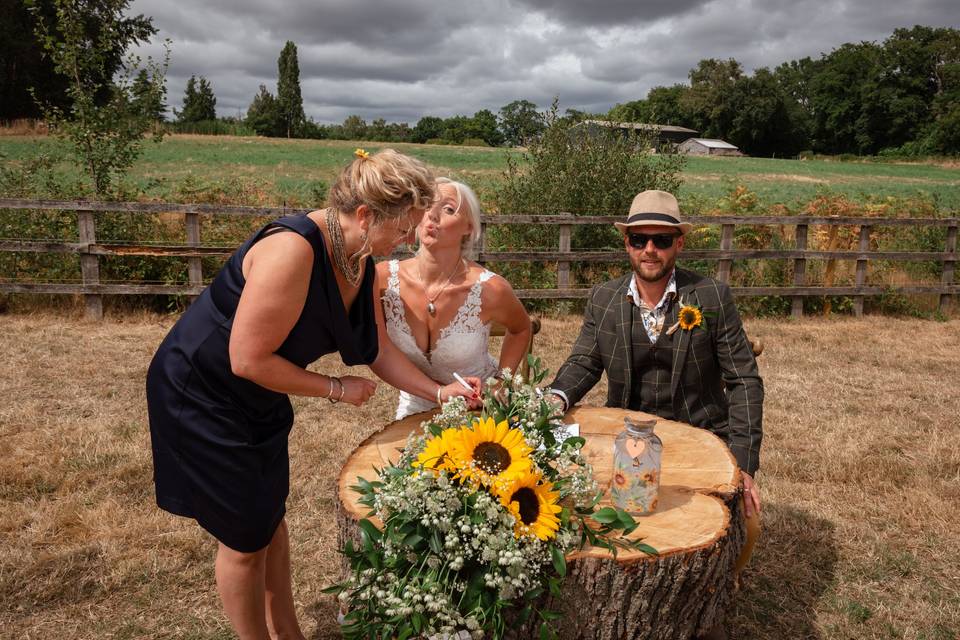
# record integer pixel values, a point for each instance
(217, 387)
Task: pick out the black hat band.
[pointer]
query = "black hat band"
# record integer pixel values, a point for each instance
(660, 217)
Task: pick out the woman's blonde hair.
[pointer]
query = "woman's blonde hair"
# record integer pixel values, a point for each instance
(388, 182)
(466, 196)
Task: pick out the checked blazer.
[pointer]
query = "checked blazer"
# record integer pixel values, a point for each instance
(714, 381)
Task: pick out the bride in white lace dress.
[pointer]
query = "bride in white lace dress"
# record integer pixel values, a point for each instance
(438, 305)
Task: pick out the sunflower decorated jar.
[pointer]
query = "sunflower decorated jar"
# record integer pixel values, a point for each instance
(635, 485)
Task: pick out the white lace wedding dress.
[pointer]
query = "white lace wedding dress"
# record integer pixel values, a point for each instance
(461, 347)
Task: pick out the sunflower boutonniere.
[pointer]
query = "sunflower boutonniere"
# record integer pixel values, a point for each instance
(691, 316)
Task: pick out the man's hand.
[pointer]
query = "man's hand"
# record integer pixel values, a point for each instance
(751, 495)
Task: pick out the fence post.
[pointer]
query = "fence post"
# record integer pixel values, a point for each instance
(194, 263)
(481, 246)
(799, 270)
(861, 277)
(726, 244)
(563, 266)
(949, 263)
(89, 264)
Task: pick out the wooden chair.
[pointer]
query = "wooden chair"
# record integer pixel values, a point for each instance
(497, 329)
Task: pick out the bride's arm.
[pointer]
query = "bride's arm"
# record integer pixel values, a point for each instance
(506, 309)
(394, 368)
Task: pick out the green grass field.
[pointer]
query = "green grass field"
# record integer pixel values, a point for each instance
(276, 171)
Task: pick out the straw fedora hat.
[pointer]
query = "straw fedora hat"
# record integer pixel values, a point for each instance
(653, 207)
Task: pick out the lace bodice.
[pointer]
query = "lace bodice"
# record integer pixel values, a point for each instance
(461, 346)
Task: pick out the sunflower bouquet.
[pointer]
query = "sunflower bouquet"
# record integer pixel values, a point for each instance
(475, 520)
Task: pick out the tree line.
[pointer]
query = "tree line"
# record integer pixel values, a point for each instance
(900, 96)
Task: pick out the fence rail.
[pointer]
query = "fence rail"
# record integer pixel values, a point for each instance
(193, 251)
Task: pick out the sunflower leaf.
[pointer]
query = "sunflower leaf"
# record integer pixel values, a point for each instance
(559, 562)
(607, 515)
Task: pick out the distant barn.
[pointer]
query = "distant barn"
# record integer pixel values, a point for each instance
(708, 147)
(660, 133)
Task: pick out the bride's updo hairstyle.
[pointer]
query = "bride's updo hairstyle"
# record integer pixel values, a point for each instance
(388, 182)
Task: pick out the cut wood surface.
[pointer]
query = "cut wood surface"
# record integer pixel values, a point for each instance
(698, 475)
(697, 529)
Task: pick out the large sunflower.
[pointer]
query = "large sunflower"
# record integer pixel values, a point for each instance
(436, 453)
(533, 503)
(490, 452)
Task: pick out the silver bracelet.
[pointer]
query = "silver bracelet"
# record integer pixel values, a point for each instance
(330, 395)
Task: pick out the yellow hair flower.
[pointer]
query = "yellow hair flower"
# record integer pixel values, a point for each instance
(360, 153)
(533, 503)
(690, 317)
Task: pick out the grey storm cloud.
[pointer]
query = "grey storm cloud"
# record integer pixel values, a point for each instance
(403, 60)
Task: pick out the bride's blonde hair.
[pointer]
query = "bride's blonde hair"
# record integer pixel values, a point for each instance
(473, 211)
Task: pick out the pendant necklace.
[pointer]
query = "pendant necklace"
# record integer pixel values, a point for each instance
(431, 307)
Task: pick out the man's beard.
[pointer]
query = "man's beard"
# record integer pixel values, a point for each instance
(666, 266)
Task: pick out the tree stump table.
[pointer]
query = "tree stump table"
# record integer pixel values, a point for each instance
(697, 529)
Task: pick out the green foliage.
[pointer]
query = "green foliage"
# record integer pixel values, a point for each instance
(521, 123)
(199, 103)
(427, 128)
(263, 114)
(106, 119)
(29, 78)
(289, 101)
(218, 127)
(567, 171)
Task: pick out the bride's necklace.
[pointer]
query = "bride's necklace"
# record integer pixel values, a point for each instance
(431, 307)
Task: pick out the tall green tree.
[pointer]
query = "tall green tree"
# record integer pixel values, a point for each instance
(709, 101)
(763, 124)
(262, 114)
(105, 133)
(289, 100)
(484, 126)
(28, 76)
(199, 102)
(148, 99)
(520, 122)
(427, 128)
(842, 80)
(354, 128)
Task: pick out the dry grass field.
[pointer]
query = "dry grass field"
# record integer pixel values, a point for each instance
(861, 482)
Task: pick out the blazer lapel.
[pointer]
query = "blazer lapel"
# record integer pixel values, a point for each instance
(685, 291)
(626, 335)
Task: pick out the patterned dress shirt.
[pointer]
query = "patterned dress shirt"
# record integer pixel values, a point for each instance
(653, 317)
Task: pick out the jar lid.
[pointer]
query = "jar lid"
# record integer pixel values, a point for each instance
(639, 425)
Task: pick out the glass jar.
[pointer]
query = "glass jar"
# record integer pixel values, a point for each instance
(635, 485)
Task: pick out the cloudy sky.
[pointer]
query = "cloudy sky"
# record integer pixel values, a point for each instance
(402, 59)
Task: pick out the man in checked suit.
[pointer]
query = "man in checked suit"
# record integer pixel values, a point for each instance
(706, 375)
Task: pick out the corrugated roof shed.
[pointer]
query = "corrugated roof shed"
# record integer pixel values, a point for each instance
(640, 126)
(713, 144)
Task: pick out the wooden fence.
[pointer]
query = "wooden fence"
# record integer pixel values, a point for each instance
(89, 250)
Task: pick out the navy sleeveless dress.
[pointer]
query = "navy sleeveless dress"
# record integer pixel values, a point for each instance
(219, 441)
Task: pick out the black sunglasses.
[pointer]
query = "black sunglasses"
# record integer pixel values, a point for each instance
(660, 240)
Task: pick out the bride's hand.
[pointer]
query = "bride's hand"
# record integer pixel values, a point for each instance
(472, 396)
